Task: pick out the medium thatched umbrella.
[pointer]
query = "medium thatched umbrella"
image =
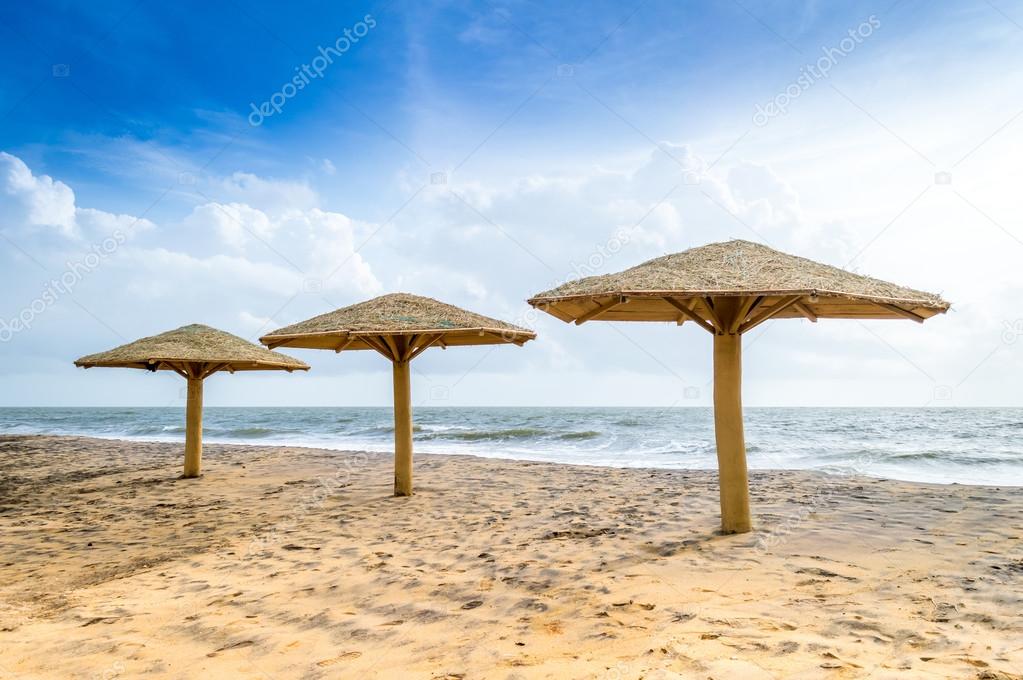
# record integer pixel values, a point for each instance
(400, 327)
(194, 352)
(728, 289)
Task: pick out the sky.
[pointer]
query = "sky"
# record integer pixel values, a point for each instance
(248, 165)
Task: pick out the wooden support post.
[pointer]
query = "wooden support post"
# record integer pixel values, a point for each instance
(193, 429)
(402, 429)
(731, 441)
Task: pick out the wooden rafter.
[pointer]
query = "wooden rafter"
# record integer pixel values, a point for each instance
(745, 309)
(599, 309)
(555, 311)
(509, 337)
(177, 368)
(404, 346)
(210, 369)
(712, 313)
(777, 309)
(379, 345)
(913, 316)
(424, 343)
(397, 345)
(348, 340)
(689, 314)
(682, 318)
(805, 311)
(393, 344)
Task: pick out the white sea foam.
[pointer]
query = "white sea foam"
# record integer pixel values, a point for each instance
(967, 446)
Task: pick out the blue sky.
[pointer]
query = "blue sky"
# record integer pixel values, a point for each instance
(478, 152)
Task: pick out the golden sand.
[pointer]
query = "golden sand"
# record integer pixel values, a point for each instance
(297, 563)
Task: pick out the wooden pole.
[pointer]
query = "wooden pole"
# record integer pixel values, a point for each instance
(731, 442)
(402, 429)
(193, 428)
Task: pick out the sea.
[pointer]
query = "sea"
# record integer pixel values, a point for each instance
(961, 445)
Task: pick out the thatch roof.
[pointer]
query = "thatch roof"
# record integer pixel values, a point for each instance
(737, 268)
(194, 349)
(410, 318)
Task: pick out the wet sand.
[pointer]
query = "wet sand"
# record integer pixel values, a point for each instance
(297, 563)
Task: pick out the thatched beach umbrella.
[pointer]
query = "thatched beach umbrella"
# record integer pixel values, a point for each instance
(400, 327)
(195, 353)
(728, 289)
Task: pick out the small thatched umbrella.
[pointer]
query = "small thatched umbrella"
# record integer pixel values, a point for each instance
(728, 289)
(400, 327)
(194, 352)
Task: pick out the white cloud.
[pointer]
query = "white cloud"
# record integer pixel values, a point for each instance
(235, 224)
(269, 195)
(32, 203)
(318, 245)
(328, 241)
(253, 323)
(233, 265)
(35, 201)
(666, 203)
(96, 223)
(155, 273)
(762, 196)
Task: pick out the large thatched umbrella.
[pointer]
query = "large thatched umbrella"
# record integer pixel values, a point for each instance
(194, 352)
(400, 327)
(728, 289)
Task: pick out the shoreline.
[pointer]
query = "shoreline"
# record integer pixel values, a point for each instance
(297, 562)
(388, 450)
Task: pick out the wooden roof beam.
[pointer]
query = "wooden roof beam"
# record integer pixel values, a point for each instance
(712, 313)
(424, 344)
(689, 314)
(377, 343)
(396, 344)
(805, 311)
(774, 311)
(745, 309)
(912, 316)
(406, 345)
(210, 369)
(600, 309)
(177, 368)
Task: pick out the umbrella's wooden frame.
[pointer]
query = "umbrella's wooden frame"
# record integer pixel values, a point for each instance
(728, 315)
(400, 348)
(195, 374)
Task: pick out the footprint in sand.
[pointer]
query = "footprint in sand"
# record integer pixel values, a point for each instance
(347, 656)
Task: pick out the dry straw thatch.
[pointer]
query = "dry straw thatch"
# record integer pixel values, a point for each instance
(399, 314)
(740, 268)
(194, 344)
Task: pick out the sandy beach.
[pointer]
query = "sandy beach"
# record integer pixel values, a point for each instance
(298, 563)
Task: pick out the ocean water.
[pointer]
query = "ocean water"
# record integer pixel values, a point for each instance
(966, 446)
